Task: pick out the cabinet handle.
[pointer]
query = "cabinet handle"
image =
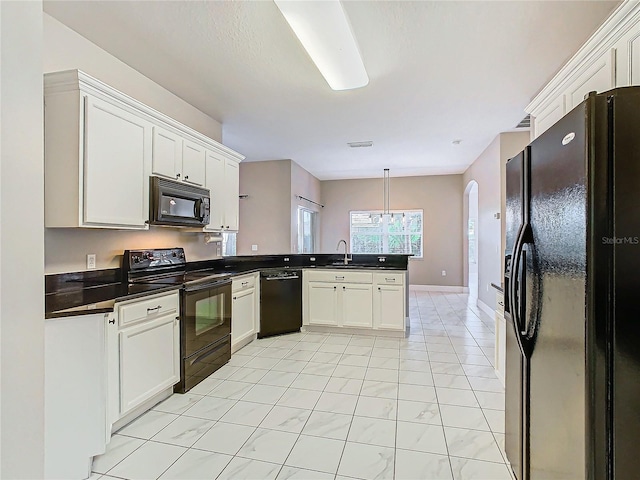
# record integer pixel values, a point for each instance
(112, 321)
(177, 176)
(176, 320)
(227, 226)
(235, 298)
(334, 287)
(339, 278)
(344, 288)
(221, 226)
(244, 284)
(186, 177)
(154, 309)
(389, 279)
(379, 289)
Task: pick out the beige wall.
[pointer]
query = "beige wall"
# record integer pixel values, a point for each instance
(66, 249)
(269, 216)
(21, 249)
(439, 196)
(306, 185)
(264, 215)
(488, 171)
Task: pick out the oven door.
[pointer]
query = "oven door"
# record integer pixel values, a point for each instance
(206, 316)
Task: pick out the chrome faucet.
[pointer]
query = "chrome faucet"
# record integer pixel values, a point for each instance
(347, 256)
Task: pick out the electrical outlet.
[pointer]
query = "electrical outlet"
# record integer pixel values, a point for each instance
(444, 273)
(91, 261)
(254, 248)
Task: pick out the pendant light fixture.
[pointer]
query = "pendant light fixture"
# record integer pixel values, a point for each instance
(385, 192)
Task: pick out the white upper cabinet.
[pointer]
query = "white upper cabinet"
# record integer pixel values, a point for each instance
(117, 151)
(167, 153)
(232, 195)
(599, 77)
(193, 163)
(609, 59)
(223, 182)
(176, 158)
(101, 146)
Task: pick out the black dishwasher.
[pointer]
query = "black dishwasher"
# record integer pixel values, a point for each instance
(280, 302)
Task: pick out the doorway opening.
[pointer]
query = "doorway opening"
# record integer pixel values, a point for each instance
(471, 234)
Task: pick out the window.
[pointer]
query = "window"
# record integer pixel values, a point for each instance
(229, 244)
(398, 232)
(306, 230)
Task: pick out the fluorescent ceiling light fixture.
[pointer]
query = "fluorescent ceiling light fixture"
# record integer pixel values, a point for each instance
(324, 31)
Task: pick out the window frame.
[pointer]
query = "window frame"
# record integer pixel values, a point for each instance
(314, 230)
(391, 212)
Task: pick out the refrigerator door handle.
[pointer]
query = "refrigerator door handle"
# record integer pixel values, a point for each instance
(516, 287)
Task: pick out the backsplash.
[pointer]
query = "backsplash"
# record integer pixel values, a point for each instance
(66, 249)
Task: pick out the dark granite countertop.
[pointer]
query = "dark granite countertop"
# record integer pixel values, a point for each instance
(97, 291)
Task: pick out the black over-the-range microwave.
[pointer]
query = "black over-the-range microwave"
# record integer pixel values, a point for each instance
(177, 204)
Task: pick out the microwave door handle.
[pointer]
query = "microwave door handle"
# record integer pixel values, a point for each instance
(197, 209)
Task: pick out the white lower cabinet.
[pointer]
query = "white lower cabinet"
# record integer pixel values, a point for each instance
(143, 352)
(149, 360)
(501, 338)
(388, 310)
(74, 392)
(354, 299)
(356, 306)
(322, 304)
(245, 307)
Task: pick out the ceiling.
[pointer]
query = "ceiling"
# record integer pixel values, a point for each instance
(439, 71)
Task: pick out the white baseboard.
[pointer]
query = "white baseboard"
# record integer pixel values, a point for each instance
(486, 308)
(439, 288)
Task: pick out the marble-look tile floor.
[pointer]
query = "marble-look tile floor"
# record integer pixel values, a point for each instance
(336, 407)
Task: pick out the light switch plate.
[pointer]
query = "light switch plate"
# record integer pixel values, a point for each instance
(91, 261)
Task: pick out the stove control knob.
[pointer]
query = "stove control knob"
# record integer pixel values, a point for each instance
(174, 254)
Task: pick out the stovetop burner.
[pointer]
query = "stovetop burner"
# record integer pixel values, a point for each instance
(163, 267)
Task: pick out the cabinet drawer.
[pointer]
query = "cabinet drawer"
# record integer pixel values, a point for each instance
(389, 278)
(500, 302)
(148, 308)
(243, 283)
(339, 276)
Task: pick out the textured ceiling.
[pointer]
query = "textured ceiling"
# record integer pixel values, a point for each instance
(439, 71)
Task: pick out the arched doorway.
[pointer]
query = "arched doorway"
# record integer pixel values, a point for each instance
(471, 237)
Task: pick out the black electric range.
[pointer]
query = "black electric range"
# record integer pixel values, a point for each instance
(205, 309)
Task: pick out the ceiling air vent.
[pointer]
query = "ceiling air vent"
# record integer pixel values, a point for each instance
(525, 122)
(360, 144)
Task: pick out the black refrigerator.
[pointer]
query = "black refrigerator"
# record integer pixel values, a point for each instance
(572, 296)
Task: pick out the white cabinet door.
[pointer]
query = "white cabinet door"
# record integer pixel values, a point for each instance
(113, 372)
(388, 308)
(243, 315)
(323, 304)
(215, 183)
(599, 77)
(74, 395)
(193, 163)
(231, 195)
(149, 360)
(357, 309)
(550, 115)
(117, 158)
(167, 153)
